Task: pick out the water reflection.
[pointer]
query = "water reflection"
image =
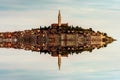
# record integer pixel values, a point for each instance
(61, 43)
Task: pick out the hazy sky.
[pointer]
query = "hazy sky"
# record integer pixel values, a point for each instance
(102, 15)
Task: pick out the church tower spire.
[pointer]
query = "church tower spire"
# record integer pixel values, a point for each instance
(59, 19)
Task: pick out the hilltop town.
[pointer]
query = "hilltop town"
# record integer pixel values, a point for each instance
(59, 39)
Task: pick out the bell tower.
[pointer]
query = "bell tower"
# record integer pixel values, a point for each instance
(59, 19)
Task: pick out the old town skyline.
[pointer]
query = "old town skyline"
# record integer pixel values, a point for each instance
(59, 39)
(21, 62)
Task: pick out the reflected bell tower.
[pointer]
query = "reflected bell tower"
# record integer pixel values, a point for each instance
(59, 61)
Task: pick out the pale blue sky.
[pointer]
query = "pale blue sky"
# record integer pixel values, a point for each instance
(102, 15)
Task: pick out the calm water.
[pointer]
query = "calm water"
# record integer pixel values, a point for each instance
(102, 64)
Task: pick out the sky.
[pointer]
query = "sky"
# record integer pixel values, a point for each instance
(102, 15)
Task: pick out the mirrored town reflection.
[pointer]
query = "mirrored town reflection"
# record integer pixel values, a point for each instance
(59, 39)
